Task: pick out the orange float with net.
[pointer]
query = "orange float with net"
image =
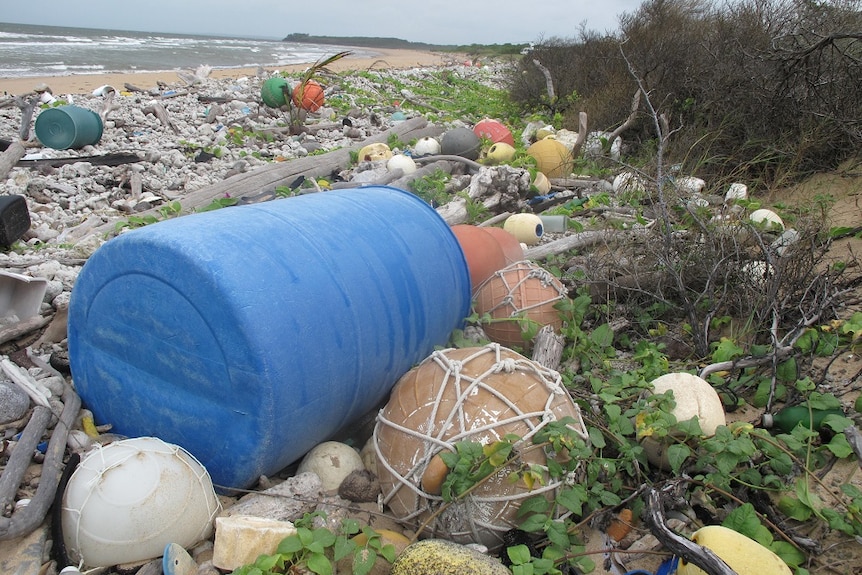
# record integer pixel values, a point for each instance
(476, 394)
(308, 96)
(518, 293)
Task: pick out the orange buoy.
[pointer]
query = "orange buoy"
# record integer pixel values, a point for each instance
(482, 251)
(308, 96)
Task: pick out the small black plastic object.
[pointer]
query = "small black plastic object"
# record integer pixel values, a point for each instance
(14, 219)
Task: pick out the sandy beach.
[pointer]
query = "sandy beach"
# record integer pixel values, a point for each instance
(85, 83)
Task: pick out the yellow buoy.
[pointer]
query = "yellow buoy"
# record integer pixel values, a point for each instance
(553, 158)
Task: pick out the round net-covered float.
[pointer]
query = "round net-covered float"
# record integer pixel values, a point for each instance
(518, 292)
(477, 394)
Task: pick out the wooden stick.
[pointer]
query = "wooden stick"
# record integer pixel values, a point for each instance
(10, 157)
(548, 349)
(30, 517)
(680, 546)
(22, 328)
(18, 462)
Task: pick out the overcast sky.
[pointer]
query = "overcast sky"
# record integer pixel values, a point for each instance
(433, 22)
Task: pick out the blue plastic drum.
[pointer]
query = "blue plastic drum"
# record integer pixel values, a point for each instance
(249, 334)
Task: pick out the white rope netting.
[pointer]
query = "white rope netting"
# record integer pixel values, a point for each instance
(151, 488)
(475, 394)
(523, 286)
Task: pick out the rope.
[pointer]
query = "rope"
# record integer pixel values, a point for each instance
(457, 387)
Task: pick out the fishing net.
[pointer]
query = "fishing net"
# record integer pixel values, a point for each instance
(477, 394)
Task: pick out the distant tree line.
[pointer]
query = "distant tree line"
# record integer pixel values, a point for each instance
(399, 44)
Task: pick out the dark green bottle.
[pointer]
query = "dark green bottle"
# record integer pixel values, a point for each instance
(789, 417)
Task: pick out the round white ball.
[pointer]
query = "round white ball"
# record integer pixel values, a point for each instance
(767, 218)
(128, 499)
(736, 191)
(694, 397)
(427, 146)
(401, 162)
(332, 461)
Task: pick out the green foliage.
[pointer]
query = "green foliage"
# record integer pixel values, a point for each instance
(219, 203)
(742, 89)
(317, 550)
(440, 94)
(432, 188)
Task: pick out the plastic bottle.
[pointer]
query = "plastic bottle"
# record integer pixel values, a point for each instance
(788, 418)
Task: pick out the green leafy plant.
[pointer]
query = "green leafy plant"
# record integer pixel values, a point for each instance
(317, 549)
(219, 203)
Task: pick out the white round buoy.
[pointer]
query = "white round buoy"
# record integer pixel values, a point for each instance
(401, 162)
(767, 218)
(128, 499)
(736, 191)
(629, 183)
(695, 398)
(426, 146)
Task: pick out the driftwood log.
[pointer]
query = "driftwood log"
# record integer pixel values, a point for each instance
(548, 349)
(680, 546)
(28, 518)
(22, 328)
(10, 157)
(268, 178)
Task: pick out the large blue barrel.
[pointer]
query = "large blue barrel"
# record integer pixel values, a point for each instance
(249, 334)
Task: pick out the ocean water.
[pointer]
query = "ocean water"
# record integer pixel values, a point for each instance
(27, 50)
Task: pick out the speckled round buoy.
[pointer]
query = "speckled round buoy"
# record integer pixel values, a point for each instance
(436, 556)
(461, 142)
(332, 461)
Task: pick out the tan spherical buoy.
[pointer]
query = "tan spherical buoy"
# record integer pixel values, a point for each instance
(482, 251)
(553, 158)
(492, 392)
(521, 290)
(381, 566)
(694, 397)
(434, 476)
(542, 183)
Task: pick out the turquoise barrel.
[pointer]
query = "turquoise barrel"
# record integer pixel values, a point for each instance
(249, 334)
(68, 127)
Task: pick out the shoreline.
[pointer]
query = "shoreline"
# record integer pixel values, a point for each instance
(86, 83)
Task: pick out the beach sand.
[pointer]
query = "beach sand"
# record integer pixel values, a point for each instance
(86, 83)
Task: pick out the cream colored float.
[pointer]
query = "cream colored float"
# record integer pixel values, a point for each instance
(767, 218)
(375, 152)
(742, 554)
(694, 397)
(527, 228)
